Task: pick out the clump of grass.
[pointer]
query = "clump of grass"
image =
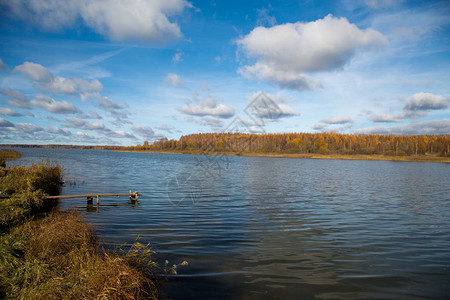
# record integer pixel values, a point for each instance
(9, 154)
(58, 257)
(6, 155)
(23, 188)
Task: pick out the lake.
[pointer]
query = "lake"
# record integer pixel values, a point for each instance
(263, 228)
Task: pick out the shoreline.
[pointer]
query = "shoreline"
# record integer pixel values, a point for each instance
(419, 158)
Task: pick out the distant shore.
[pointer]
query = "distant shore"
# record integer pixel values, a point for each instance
(426, 158)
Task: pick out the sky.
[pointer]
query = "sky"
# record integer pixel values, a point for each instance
(114, 72)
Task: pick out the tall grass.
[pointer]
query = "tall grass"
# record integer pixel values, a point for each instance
(8, 154)
(22, 191)
(58, 258)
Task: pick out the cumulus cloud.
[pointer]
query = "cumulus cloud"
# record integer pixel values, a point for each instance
(269, 106)
(173, 79)
(208, 107)
(337, 120)
(118, 20)
(75, 123)
(166, 128)
(46, 81)
(5, 123)
(120, 134)
(86, 137)
(286, 53)
(97, 127)
(82, 124)
(61, 85)
(27, 127)
(91, 115)
(116, 110)
(319, 126)
(146, 132)
(285, 78)
(108, 104)
(9, 112)
(433, 127)
(425, 102)
(215, 124)
(34, 72)
(17, 99)
(385, 118)
(51, 105)
(57, 130)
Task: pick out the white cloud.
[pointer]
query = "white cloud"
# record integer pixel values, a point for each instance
(173, 79)
(9, 112)
(425, 102)
(208, 107)
(86, 137)
(290, 79)
(91, 115)
(167, 128)
(57, 130)
(178, 57)
(319, 126)
(337, 120)
(118, 134)
(264, 18)
(108, 104)
(269, 106)
(34, 72)
(146, 132)
(285, 53)
(17, 99)
(118, 20)
(433, 127)
(59, 85)
(385, 118)
(215, 124)
(27, 127)
(5, 123)
(51, 105)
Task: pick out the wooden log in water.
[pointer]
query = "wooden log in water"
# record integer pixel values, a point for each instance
(90, 197)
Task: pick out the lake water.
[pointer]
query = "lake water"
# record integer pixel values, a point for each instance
(256, 228)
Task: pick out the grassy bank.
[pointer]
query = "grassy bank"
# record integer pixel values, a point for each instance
(49, 254)
(429, 158)
(8, 154)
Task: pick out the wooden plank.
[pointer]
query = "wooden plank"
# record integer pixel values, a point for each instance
(93, 195)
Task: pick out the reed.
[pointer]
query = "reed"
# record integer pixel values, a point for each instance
(55, 255)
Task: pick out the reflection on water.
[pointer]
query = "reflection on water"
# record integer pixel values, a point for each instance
(272, 227)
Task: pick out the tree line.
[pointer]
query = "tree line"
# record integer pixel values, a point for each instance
(304, 143)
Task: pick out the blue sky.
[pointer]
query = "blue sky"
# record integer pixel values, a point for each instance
(121, 72)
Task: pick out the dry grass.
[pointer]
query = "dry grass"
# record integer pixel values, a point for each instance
(6, 155)
(9, 154)
(58, 258)
(22, 189)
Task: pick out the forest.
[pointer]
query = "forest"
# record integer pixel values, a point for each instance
(304, 143)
